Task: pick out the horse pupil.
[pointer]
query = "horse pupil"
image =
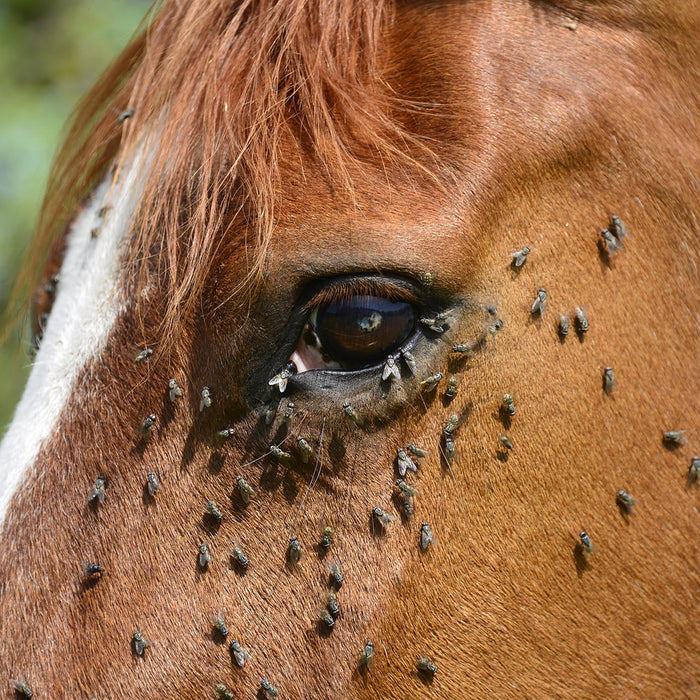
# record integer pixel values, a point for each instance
(359, 330)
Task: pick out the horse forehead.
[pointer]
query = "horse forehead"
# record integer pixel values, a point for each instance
(87, 304)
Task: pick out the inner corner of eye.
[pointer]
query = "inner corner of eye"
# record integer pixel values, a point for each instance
(309, 353)
(352, 333)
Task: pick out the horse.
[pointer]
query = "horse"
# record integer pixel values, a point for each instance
(367, 361)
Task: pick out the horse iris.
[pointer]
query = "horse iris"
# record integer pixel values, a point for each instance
(359, 330)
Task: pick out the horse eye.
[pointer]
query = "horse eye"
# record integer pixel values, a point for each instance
(353, 332)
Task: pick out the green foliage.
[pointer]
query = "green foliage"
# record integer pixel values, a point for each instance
(51, 51)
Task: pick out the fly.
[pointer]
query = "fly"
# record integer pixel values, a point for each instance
(269, 689)
(239, 653)
(174, 390)
(367, 656)
(223, 692)
(505, 441)
(382, 517)
(336, 577)
(152, 484)
(21, 687)
(431, 382)
(279, 454)
(205, 400)
(239, 557)
(280, 380)
(204, 557)
(608, 379)
(97, 492)
(540, 302)
(416, 451)
(143, 355)
(245, 489)
(148, 424)
(581, 320)
(520, 256)
(674, 437)
(139, 643)
(509, 404)
(404, 462)
(220, 626)
(426, 666)
(391, 370)
(213, 510)
(624, 501)
(410, 361)
(306, 450)
(563, 325)
(294, 551)
(437, 323)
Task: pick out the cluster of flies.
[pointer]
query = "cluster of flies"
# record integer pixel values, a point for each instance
(406, 461)
(610, 242)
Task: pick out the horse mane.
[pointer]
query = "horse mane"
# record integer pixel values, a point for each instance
(216, 88)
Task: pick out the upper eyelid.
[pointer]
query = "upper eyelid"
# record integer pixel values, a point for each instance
(343, 288)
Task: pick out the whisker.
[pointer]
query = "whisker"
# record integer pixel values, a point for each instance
(352, 471)
(318, 468)
(279, 444)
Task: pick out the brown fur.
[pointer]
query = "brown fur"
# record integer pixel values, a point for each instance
(547, 131)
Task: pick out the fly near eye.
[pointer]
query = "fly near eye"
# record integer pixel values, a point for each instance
(358, 330)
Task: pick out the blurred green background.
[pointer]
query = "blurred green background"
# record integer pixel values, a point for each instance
(51, 51)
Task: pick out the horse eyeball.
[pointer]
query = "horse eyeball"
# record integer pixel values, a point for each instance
(354, 332)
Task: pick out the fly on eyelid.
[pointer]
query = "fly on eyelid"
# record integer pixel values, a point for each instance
(410, 361)
(280, 380)
(391, 370)
(437, 323)
(429, 385)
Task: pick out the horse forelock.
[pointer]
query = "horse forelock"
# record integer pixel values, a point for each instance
(224, 94)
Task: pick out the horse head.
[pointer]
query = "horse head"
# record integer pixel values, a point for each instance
(362, 325)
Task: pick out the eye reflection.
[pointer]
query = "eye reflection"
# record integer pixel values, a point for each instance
(353, 332)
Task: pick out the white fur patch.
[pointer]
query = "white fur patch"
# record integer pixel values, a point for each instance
(86, 305)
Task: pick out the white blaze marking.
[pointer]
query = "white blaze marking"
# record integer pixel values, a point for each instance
(84, 310)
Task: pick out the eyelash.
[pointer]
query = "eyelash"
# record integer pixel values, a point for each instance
(338, 290)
